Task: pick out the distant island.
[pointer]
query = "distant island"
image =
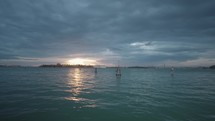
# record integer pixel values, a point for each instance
(58, 65)
(10, 66)
(212, 67)
(144, 67)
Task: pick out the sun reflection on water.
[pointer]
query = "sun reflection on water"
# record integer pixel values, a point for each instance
(78, 83)
(75, 81)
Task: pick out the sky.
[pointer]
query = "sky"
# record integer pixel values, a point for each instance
(103, 32)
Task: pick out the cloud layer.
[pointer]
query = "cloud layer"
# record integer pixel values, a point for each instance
(136, 32)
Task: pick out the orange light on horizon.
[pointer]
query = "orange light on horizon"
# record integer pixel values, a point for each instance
(81, 61)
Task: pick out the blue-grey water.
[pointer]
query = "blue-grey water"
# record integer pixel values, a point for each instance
(72, 94)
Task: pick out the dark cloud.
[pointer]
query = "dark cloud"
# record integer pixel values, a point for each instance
(167, 30)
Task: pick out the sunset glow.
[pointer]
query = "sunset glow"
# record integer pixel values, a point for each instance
(81, 61)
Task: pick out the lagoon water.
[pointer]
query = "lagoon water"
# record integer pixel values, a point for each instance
(72, 94)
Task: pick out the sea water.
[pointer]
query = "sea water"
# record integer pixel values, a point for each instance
(73, 94)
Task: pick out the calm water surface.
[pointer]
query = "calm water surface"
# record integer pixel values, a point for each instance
(66, 94)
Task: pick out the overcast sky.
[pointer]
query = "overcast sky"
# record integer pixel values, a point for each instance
(136, 32)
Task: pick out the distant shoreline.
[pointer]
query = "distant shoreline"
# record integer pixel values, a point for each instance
(92, 66)
(67, 66)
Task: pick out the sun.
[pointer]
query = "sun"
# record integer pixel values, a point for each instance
(81, 61)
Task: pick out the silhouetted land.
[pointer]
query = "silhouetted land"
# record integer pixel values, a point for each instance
(144, 67)
(58, 65)
(67, 66)
(10, 66)
(212, 67)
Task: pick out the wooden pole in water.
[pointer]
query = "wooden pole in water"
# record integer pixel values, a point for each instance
(118, 71)
(95, 70)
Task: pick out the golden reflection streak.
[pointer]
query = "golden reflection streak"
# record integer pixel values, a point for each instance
(77, 78)
(75, 81)
(76, 84)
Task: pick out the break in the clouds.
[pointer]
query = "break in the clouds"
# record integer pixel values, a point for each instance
(136, 32)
